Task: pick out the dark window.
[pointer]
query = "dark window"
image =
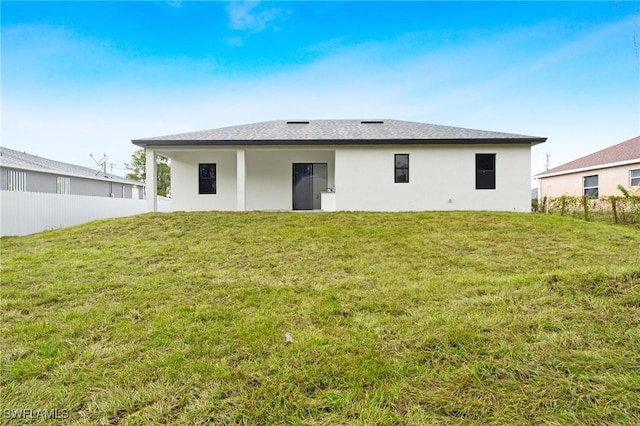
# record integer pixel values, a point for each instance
(634, 177)
(402, 168)
(590, 185)
(207, 181)
(485, 171)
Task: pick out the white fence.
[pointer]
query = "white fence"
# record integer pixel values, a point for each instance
(23, 213)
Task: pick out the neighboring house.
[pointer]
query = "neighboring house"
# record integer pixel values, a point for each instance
(374, 165)
(37, 194)
(20, 171)
(595, 175)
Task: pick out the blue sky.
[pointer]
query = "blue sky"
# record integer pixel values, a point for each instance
(82, 78)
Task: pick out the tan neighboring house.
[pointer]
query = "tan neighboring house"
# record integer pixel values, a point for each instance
(595, 175)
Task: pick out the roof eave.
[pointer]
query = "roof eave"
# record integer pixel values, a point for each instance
(306, 142)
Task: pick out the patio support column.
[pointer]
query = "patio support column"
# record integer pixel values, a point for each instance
(151, 180)
(241, 180)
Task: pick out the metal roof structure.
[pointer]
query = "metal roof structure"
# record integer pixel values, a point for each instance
(21, 160)
(336, 132)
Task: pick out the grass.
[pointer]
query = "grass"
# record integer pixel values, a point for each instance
(407, 318)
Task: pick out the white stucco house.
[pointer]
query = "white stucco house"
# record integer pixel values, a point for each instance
(335, 165)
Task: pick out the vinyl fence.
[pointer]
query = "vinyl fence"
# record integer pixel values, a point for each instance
(23, 213)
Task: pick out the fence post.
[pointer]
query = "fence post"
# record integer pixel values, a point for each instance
(614, 208)
(585, 206)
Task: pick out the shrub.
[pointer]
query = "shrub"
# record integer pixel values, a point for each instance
(623, 209)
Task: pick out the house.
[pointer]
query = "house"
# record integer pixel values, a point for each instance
(20, 171)
(368, 165)
(595, 175)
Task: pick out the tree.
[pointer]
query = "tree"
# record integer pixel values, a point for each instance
(138, 171)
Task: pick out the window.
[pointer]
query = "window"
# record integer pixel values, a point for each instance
(207, 180)
(590, 185)
(634, 177)
(402, 168)
(485, 171)
(63, 185)
(17, 181)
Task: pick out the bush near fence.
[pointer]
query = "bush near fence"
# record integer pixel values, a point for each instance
(624, 209)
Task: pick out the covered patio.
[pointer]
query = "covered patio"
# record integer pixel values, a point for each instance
(247, 178)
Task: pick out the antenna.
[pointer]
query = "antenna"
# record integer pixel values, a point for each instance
(101, 162)
(546, 165)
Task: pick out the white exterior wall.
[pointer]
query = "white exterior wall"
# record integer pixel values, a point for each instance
(270, 176)
(441, 177)
(184, 181)
(572, 184)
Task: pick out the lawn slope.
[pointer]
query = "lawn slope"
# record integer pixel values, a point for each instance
(407, 318)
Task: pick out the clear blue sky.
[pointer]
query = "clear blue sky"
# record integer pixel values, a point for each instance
(82, 78)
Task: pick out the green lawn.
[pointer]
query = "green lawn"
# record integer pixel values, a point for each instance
(406, 318)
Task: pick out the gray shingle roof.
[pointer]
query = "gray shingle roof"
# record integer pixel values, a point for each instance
(628, 150)
(325, 132)
(22, 160)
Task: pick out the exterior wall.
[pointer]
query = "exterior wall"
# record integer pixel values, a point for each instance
(441, 177)
(117, 190)
(572, 184)
(47, 183)
(41, 182)
(89, 187)
(184, 181)
(36, 181)
(270, 176)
